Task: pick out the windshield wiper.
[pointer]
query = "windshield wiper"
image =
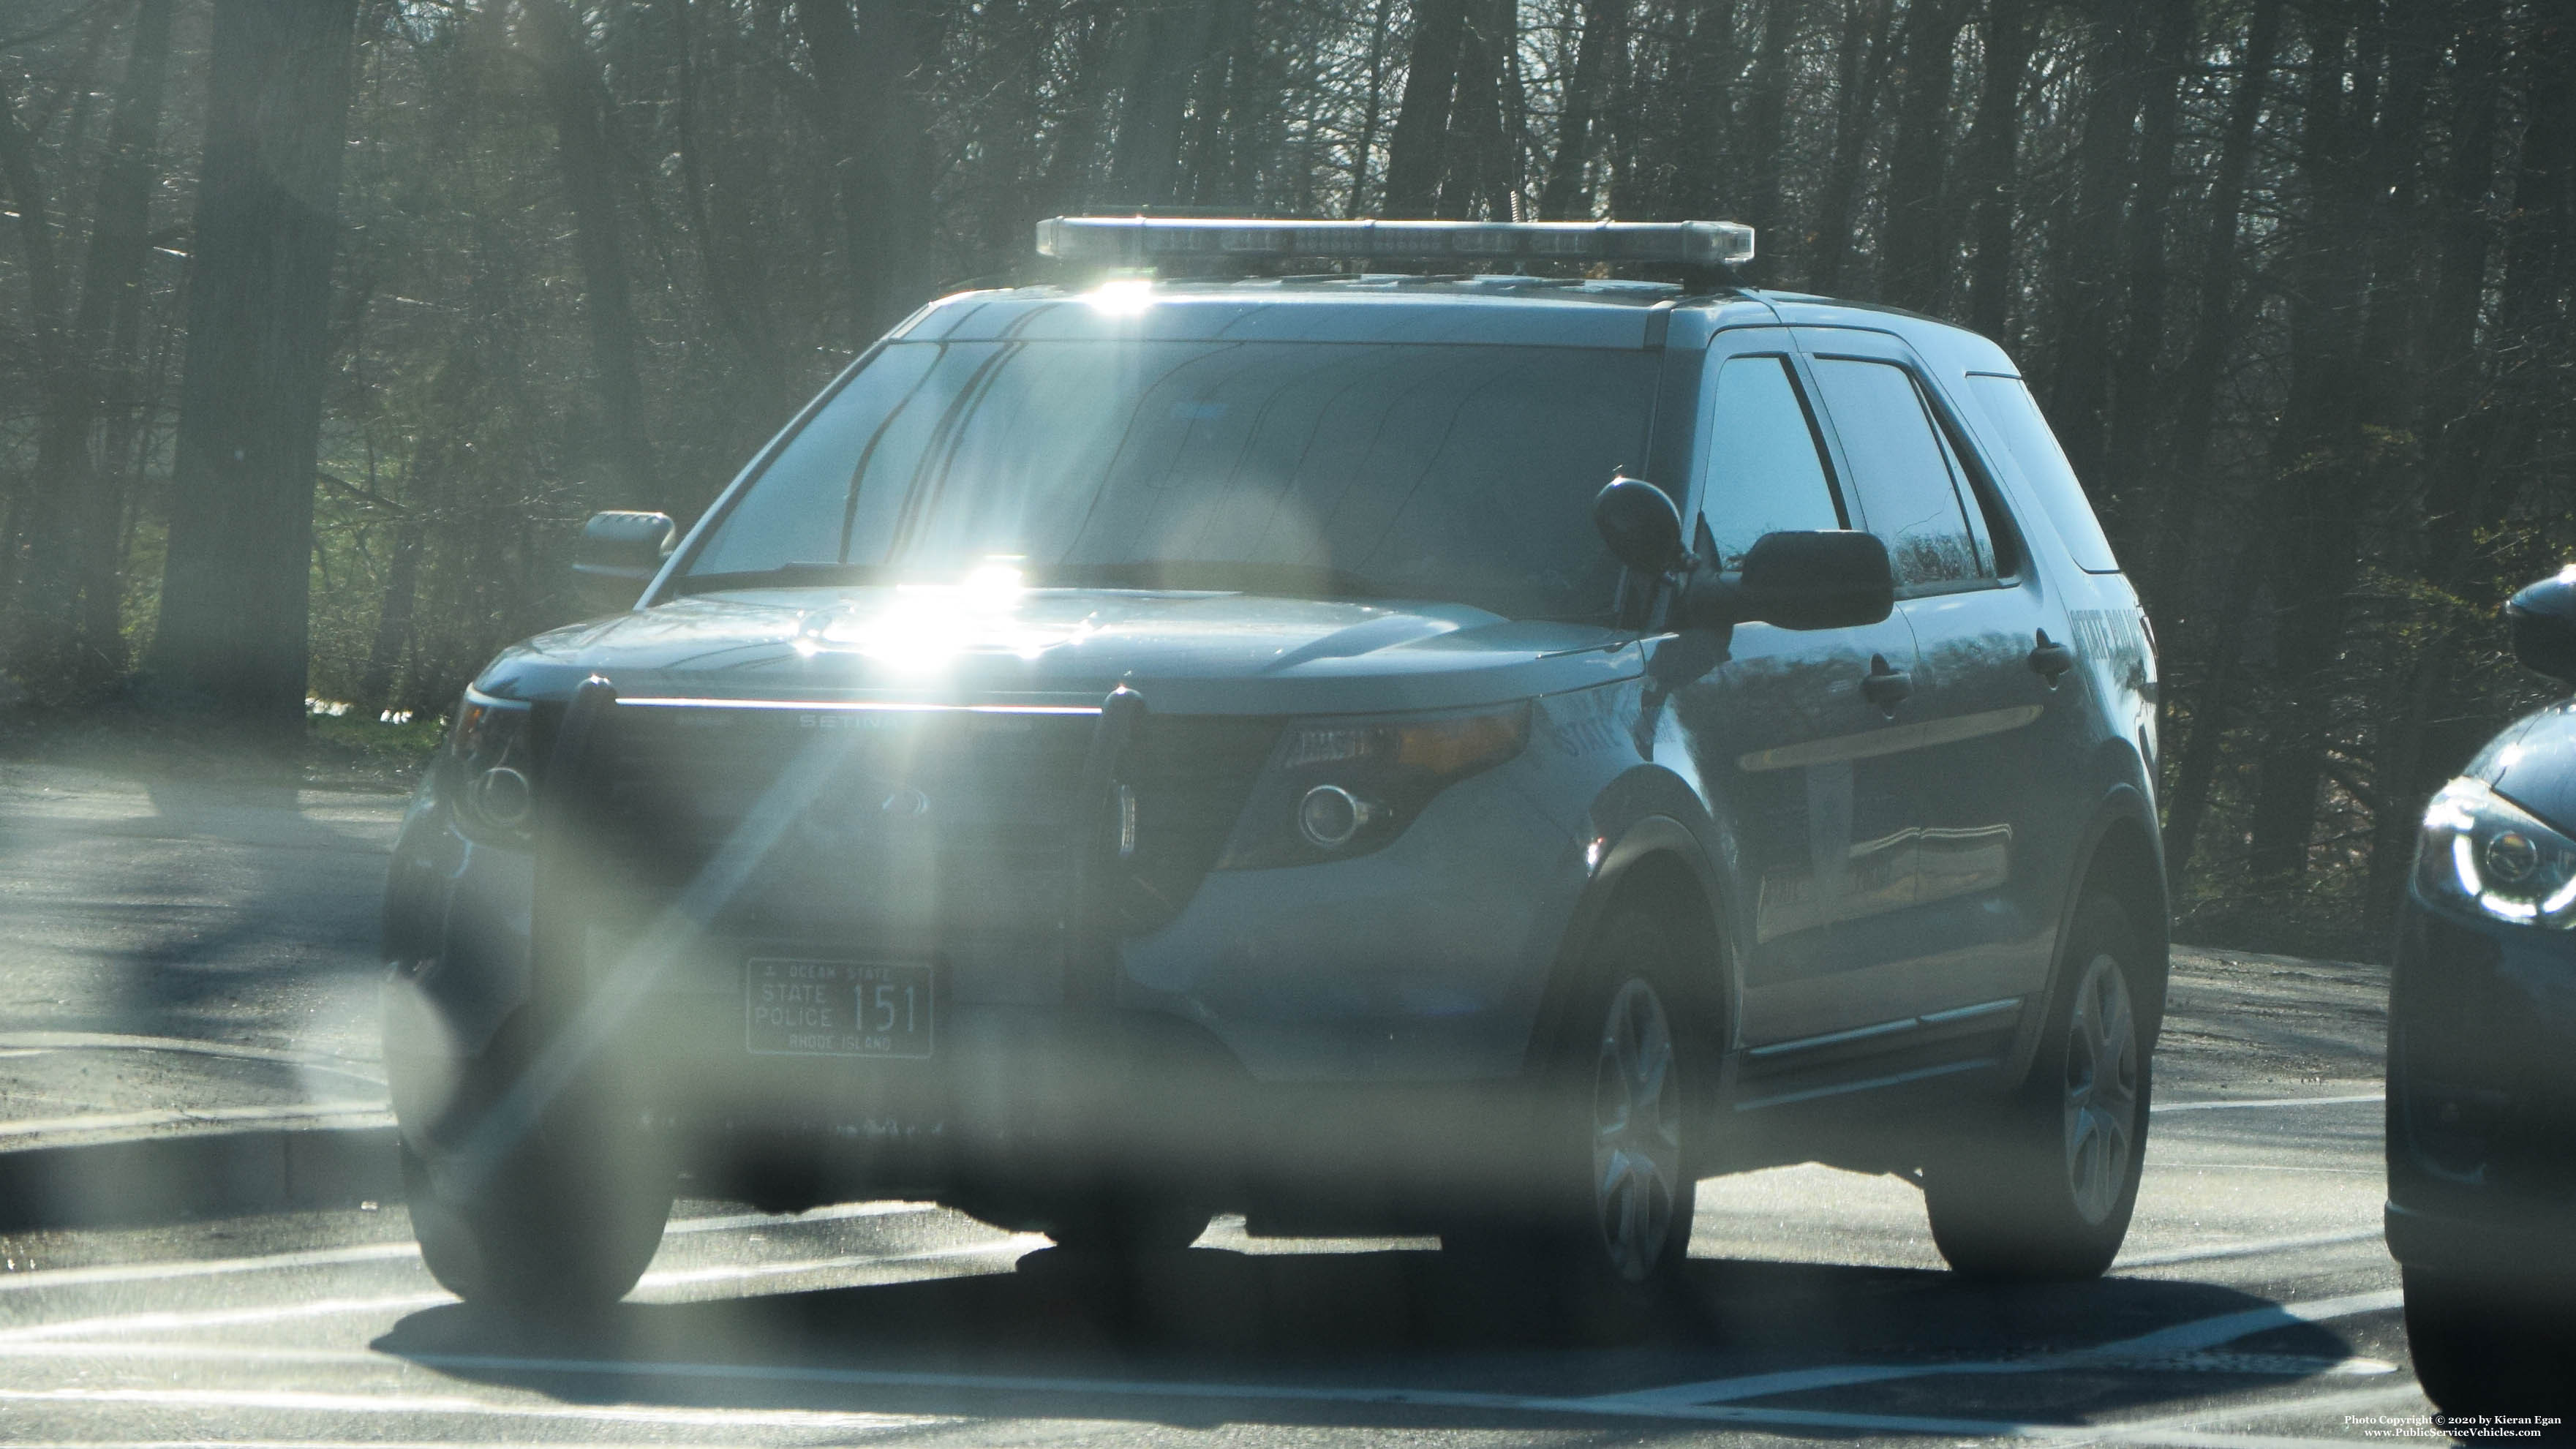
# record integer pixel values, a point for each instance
(801, 574)
(1295, 581)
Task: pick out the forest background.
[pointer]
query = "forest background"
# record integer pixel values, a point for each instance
(2292, 278)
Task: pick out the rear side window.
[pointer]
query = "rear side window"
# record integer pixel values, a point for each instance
(2015, 414)
(1901, 472)
(1765, 472)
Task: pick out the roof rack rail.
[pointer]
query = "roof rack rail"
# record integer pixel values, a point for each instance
(1144, 240)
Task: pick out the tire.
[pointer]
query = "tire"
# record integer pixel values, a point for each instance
(565, 1223)
(2482, 1348)
(1607, 1225)
(2045, 1189)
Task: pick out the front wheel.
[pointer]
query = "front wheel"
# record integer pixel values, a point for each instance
(561, 1223)
(1610, 1221)
(2483, 1347)
(2045, 1189)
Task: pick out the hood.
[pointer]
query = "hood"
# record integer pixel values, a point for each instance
(1194, 653)
(2532, 762)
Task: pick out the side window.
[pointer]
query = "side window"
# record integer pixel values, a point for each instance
(2017, 420)
(1765, 472)
(1902, 472)
(1994, 552)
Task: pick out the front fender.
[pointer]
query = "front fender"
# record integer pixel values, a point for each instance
(1647, 828)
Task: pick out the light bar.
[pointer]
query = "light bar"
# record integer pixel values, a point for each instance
(1144, 240)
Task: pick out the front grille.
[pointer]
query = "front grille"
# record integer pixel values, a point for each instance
(1190, 774)
(911, 830)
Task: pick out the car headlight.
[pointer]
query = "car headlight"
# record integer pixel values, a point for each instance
(491, 755)
(1342, 787)
(2482, 852)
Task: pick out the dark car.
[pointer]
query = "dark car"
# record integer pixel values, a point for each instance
(1133, 751)
(2482, 1058)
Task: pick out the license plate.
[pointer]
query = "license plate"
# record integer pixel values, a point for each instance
(835, 1008)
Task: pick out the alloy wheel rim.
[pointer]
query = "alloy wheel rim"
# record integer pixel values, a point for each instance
(2101, 1105)
(1636, 1132)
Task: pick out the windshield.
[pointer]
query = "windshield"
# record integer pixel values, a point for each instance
(1448, 472)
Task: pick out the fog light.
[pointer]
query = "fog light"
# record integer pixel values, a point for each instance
(1329, 816)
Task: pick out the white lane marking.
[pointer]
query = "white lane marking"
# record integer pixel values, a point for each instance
(311, 1402)
(359, 1068)
(2254, 1248)
(2180, 1431)
(2177, 1339)
(2338, 1402)
(1017, 1243)
(2267, 1102)
(356, 1113)
(388, 1252)
(2228, 1327)
(312, 1445)
(334, 1307)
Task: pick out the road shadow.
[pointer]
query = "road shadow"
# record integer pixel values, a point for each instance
(191, 906)
(1347, 1340)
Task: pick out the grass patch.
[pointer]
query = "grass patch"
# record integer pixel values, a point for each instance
(116, 737)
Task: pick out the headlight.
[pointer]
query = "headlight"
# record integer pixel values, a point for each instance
(492, 758)
(1344, 787)
(2482, 852)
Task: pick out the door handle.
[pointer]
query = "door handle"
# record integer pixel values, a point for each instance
(2049, 659)
(1885, 687)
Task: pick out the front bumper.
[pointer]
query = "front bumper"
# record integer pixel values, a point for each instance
(2482, 1096)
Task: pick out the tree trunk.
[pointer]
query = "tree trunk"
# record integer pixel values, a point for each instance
(1994, 141)
(234, 593)
(1480, 161)
(109, 325)
(867, 69)
(1686, 122)
(2214, 702)
(1860, 66)
(2133, 400)
(577, 101)
(1418, 155)
(1372, 108)
(2316, 464)
(2478, 420)
(2086, 254)
(1766, 118)
(725, 262)
(1563, 197)
(2214, 331)
(1165, 44)
(30, 529)
(1915, 263)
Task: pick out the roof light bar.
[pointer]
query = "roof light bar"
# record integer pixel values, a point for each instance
(1144, 240)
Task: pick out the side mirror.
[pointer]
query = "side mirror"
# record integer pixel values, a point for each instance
(1640, 523)
(1830, 579)
(2542, 621)
(618, 555)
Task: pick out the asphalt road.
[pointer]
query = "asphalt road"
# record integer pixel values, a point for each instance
(164, 946)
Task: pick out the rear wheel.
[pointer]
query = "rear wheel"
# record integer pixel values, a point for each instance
(2045, 1188)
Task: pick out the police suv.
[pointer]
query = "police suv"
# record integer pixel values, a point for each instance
(1463, 752)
